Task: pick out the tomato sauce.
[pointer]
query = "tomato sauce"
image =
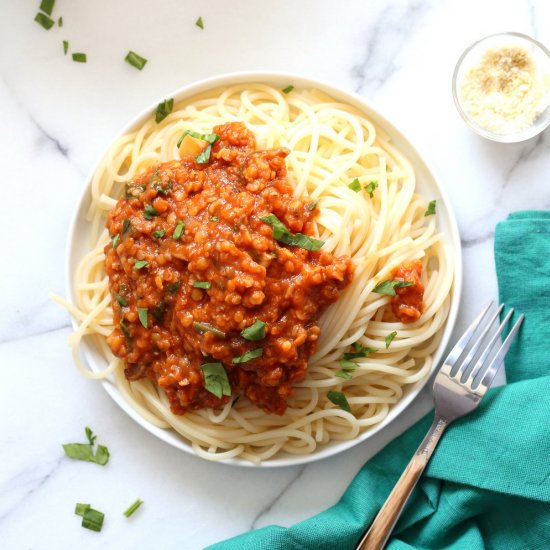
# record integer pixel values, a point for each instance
(408, 303)
(190, 251)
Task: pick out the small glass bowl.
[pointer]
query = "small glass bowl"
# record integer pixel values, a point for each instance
(472, 56)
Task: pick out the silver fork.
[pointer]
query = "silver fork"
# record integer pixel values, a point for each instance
(454, 398)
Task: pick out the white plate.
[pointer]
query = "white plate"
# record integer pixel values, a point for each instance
(426, 185)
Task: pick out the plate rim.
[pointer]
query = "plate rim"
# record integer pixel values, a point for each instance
(452, 239)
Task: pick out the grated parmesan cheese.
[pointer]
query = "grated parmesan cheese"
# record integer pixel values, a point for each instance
(505, 92)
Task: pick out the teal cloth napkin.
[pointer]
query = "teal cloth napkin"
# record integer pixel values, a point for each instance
(488, 483)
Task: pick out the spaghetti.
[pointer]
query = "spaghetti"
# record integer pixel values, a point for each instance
(364, 190)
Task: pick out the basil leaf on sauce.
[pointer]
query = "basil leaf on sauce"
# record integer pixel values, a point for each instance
(164, 109)
(140, 264)
(44, 21)
(159, 234)
(116, 240)
(256, 331)
(288, 89)
(215, 379)
(200, 23)
(133, 507)
(120, 299)
(202, 284)
(204, 157)
(371, 187)
(135, 60)
(173, 287)
(149, 212)
(210, 138)
(142, 313)
(355, 185)
(248, 356)
(283, 235)
(389, 338)
(388, 287)
(178, 232)
(124, 329)
(91, 519)
(201, 328)
(126, 225)
(338, 398)
(313, 205)
(430, 211)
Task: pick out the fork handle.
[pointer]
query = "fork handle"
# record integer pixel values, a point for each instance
(383, 524)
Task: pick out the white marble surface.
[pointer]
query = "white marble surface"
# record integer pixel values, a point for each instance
(57, 118)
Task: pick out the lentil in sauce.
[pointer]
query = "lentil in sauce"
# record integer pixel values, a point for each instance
(193, 265)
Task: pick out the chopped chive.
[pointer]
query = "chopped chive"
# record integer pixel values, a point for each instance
(371, 187)
(79, 57)
(159, 234)
(47, 6)
(180, 228)
(254, 332)
(120, 299)
(80, 508)
(91, 519)
(389, 338)
(388, 287)
(65, 46)
(288, 89)
(116, 240)
(248, 356)
(200, 23)
(133, 507)
(202, 284)
(140, 264)
(60, 22)
(44, 21)
(135, 60)
(338, 398)
(430, 211)
(163, 110)
(215, 379)
(201, 328)
(142, 313)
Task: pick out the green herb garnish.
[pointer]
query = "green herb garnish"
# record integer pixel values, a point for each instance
(358, 351)
(210, 138)
(47, 6)
(256, 331)
(159, 234)
(79, 57)
(116, 240)
(178, 232)
(346, 374)
(347, 363)
(389, 338)
(44, 21)
(143, 319)
(125, 330)
(288, 89)
(149, 212)
(135, 60)
(200, 23)
(173, 287)
(214, 219)
(313, 205)
(388, 287)
(283, 235)
(202, 284)
(371, 187)
(60, 22)
(215, 379)
(126, 225)
(163, 110)
(248, 356)
(91, 519)
(430, 211)
(201, 328)
(140, 264)
(65, 46)
(158, 312)
(355, 185)
(133, 507)
(338, 398)
(85, 451)
(121, 300)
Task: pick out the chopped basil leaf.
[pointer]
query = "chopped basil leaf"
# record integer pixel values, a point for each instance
(214, 219)
(201, 328)
(254, 332)
(180, 228)
(135, 60)
(91, 519)
(430, 211)
(204, 157)
(282, 234)
(371, 187)
(355, 185)
(140, 264)
(47, 6)
(388, 287)
(159, 234)
(200, 23)
(133, 190)
(124, 329)
(288, 89)
(122, 301)
(346, 374)
(158, 312)
(202, 284)
(313, 205)
(133, 507)
(389, 338)
(210, 138)
(85, 451)
(149, 212)
(346, 363)
(164, 109)
(79, 57)
(44, 21)
(215, 379)
(248, 356)
(116, 240)
(90, 435)
(81, 508)
(60, 22)
(126, 224)
(65, 46)
(358, 351)
(173, 287)
(338, 398)
(142, 313)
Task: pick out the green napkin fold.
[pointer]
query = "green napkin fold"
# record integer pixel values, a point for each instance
(488, 483)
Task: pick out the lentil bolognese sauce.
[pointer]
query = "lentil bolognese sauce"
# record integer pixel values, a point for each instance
(197, 263)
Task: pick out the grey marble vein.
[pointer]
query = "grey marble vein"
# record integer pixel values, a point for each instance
(26, 335)
(474, 241)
